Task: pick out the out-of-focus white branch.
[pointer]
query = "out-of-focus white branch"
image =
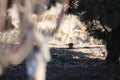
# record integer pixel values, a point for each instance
(43, 56)
(30, 35)
(41, 63)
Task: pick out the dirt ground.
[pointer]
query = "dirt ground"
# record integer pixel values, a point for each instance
(80, 63)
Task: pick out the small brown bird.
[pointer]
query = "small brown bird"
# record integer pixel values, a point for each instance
(70, 45)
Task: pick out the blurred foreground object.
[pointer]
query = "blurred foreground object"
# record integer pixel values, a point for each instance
(13, 53)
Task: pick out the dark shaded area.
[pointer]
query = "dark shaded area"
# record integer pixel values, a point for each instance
(9, 3)
(102, 18)
(107, 11)
(15, 73)
(51, 3)
(63, 66)
(8, 24)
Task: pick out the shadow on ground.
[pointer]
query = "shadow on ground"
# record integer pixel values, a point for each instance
(67, 64)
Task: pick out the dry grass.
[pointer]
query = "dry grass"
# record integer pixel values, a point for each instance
(70, 27)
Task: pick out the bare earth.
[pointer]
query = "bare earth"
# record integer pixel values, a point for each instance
(80, 63)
